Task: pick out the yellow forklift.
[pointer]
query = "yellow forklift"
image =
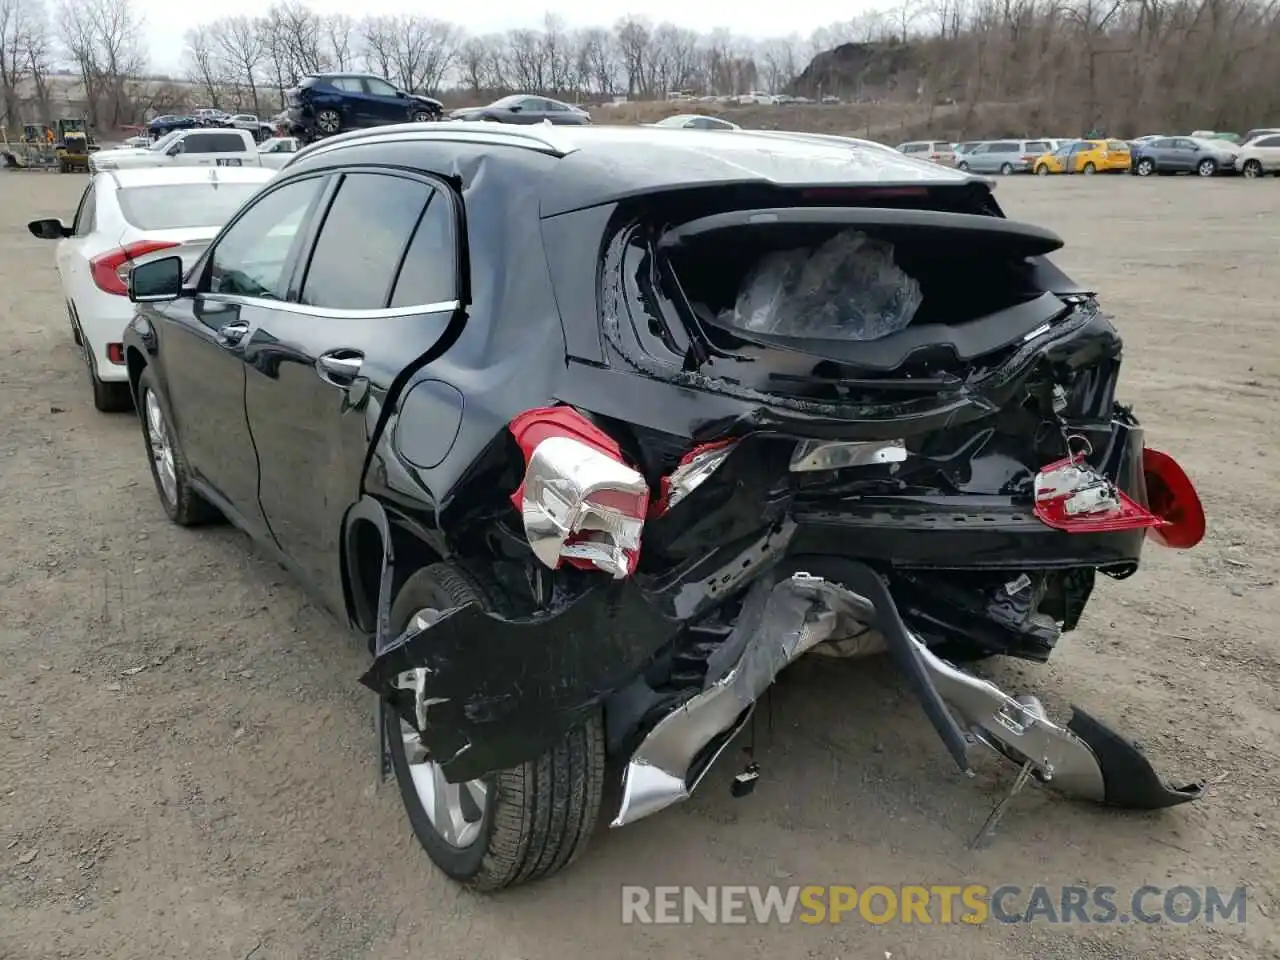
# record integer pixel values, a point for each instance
(74, 144)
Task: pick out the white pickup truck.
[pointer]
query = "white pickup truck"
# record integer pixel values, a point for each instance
(200, 146)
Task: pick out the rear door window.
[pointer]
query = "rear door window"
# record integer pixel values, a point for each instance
(362, 241)
(347, 84)
(1268, 142)
(430, 270)
(1037, 146)
(1117, 146)
(1004, 146)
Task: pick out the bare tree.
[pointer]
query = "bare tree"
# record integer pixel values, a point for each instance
(205, 67)
(241, 45)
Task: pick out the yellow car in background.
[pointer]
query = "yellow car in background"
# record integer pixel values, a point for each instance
(1085, 156)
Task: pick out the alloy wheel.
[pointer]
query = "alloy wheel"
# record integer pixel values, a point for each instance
(1252, 169)
(1145, 168)
(421, 116)
(456, 810)
(1006, 169)
(161, 447)
(1206, 168)
(1042, 171)
(328, 121)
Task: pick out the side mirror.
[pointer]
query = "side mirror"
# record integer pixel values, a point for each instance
(49, 229)
(156, 281)
(175, 149)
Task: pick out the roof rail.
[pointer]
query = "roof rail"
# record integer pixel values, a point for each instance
(544, 137)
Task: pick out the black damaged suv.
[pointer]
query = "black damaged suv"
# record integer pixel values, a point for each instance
(592, 431)
(323, 104)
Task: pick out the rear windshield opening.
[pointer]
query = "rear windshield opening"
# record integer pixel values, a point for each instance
(765, 271)
(176, 206)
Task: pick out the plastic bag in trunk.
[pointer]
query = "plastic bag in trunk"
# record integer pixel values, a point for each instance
(849, 288)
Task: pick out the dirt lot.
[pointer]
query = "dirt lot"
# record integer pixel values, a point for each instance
(187, 762)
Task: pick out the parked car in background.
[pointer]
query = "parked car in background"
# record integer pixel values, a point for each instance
(260, 129)
(696, 121)
(939, 151)
(1085, 156)
(1169, 155)
(197, 147)
(1233, 138)
(525, 108)
(124, 218)
(169, 122)
(323, 104)
(1260, 156)
(1259, 132)
(1003, 156)
(960, 149)
(275, 152)
(755, 97)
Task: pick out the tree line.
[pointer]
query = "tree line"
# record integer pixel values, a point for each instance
(1126, 65)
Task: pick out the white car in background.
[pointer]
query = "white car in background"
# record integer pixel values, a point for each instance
(127, 217)
(1260, 156)
(278, 151)
(696, 121)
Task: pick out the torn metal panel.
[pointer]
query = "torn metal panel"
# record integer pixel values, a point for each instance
(505, 690)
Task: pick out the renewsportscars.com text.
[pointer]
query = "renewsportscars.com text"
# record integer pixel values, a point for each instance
(933, 904)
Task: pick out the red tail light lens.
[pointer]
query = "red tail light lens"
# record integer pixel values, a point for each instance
(110, 271)
(580, 501)
(694, 467)
(1073, 497)
(1173, 498)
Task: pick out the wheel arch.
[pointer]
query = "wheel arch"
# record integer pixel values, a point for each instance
(135, 363)
(378, 556)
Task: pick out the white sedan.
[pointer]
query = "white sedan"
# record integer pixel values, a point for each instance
(696, 121)
(126, 217)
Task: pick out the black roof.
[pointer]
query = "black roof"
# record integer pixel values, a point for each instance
(591, 165)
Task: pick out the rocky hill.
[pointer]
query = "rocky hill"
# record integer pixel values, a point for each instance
(887, 70)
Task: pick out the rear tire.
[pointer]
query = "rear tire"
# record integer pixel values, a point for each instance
(1042, 170)
(537, 817)
(962, 166)
(183, 505)
(328, 122)
(1206, 168)
(1006, 169)
(110, 397)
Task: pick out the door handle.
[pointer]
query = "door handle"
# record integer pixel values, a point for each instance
(339, 367)
(230, 334)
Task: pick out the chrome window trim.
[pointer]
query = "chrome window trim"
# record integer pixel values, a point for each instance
(328, 313)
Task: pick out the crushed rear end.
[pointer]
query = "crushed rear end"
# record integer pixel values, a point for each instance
(733, 475)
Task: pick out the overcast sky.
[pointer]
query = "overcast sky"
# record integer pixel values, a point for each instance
(168, 21)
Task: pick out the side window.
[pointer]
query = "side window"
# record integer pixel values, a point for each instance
(362, 241)
(1164, 143)
(1117, 146)
(555, 106)
(86, 213)
(430, 270)
(347, 84)
(379, 88)
(1037, 146)
(1268, 142)
(224, 143)
(250, 258)
(980, 148)
(1183, 144)
(198, 143)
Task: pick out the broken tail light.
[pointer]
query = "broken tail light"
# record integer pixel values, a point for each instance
(694, 467)
(110, 270)
(1172, 496)
(1070, 495)
(580, 501)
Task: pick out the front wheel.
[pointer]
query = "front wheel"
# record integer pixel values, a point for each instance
(1089, 170)
(1252, 169)
(1146, 168)
(509, 827)
(1206, 168)
(422, 116)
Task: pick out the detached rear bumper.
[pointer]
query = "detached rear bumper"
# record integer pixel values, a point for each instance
(782, 620)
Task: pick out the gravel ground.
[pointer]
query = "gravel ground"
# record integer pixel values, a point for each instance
(187, 763)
